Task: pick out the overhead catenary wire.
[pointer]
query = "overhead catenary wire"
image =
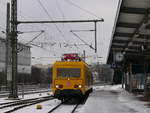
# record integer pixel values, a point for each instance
(63, 16)
(75, 46)
(21, 32)
(52, 19)
(68, 21)
(85, 10)
(45, 49)
(21, 14)
(24, 16)
(35, 37)
(59, 8)
(43, 7)
(82, 40)
(32, 44)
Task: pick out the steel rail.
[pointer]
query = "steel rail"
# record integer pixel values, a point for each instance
(26, 103)
(25, 93)
(55, 107)
(58, 105)
(74, 109)
(26, 100)
(65, 102)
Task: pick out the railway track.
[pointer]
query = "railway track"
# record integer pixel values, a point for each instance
(10, 107)
(23, 103)
(56, 107)
(81, 101)
(76, 106)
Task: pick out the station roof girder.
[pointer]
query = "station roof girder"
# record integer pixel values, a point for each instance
(132, 28)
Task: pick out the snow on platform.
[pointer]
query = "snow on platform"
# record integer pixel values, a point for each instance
(113, 99)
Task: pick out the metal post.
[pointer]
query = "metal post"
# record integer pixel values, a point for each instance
(145, 77)
(123, 80)
(123, 75)
(8, 65)
(130, 78)
(14, 47)
(95, 36)
(84, 55)
(7, 38)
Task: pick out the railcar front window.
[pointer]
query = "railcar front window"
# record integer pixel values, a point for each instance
(68, 72)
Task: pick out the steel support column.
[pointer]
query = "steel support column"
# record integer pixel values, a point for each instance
(14, 48)
(95, 36)
(8, 64)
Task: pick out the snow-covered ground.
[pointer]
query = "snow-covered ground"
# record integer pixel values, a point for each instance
(104, 99)
(116, 88)
(113, 99)
(28, 96)
(4, 94)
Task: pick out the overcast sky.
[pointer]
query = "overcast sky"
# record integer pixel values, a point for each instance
(57, 38)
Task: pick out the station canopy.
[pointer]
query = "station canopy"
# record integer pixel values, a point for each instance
(132, 30)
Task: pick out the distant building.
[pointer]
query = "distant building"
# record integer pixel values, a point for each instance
(106, 73)
(102, 73)
(43, 66)
(41, 74)
(24, 58)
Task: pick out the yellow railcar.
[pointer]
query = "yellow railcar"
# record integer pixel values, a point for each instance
(71, 79)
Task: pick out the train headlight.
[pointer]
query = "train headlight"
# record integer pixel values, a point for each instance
(77, 86)
(80, 86)
(57, 86)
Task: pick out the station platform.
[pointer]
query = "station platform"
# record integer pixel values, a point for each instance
(114, 99)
